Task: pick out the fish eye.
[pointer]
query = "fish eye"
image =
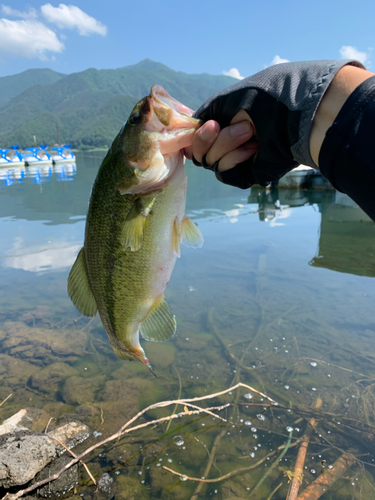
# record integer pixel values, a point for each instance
(135, 119)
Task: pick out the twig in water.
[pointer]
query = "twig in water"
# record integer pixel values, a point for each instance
(301, 456)
(321, 484)
(49, 421)
(179, 395)
(75, 456)
(6, 399)
(276, 462)
(126, 429)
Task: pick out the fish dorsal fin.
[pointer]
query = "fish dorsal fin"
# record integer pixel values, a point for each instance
(79, 288)
(135, 224)
(160, 324)
(176, 237)
(190, 234)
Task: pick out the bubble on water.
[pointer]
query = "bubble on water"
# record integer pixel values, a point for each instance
(330, 467)
(255, 448)
(158, 465)
(346, 405)
(289, 429)
(252, 454)
(140, 472)
(248, 395)
(178, 440)
(183, 478)
(313, 471)
(261, 417)
(296, 429)
(255, 436)
(96, 433)
(286, 386)
(170, 460)
(253, 429)
(313, 363)
(313, 388)
(247, 422)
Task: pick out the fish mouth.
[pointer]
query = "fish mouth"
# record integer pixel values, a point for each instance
(171, 113)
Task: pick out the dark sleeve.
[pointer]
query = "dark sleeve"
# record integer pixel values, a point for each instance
(347, 155)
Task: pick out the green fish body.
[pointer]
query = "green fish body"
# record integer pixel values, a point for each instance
(135, 224)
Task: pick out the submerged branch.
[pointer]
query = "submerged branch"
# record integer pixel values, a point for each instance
(126, 429)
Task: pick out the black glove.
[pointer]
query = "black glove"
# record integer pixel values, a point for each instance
(282, 101)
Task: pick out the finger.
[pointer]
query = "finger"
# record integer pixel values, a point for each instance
(237, 156)
(203, 139)
(229, 139)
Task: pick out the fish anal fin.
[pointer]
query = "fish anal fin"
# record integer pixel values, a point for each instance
(190, 234)
(160, 324)
(135, 225)
(79, 288)
(176, 237)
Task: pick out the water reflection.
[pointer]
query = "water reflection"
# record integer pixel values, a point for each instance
(37, 174)
(346, 235)
(258, 304)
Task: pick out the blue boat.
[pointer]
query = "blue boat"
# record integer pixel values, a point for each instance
(10, 157)
(37, 156)
(62, 154)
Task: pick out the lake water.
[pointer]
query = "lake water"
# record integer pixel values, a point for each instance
(281, 298)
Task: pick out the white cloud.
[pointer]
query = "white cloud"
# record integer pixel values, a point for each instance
(8, 11)
(234, 73)
(72, 17)
(278, 60)
(27, 38)
(349, 52)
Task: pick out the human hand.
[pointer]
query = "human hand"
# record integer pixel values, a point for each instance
(228, 147)
(282, 101)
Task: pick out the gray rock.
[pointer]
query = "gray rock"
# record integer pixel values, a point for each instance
(71, 434)
(31, 419)
(62, 486)
(22, 456)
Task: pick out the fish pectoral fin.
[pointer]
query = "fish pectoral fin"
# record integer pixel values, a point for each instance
(135, 224)
(190, 234)
(79, 288)
(160, 324)
(176, 238)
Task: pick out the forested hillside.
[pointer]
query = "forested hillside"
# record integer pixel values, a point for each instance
(88, 108)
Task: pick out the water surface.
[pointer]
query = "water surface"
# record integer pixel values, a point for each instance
(280, 297)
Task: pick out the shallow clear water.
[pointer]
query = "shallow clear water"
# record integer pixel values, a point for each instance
(280, 297)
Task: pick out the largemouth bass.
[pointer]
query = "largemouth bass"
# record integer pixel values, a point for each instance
(135, 224)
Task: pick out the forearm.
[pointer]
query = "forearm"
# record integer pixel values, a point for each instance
(344, 83)
(347, 154)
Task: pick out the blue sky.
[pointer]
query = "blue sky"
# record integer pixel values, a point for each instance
(194, 37)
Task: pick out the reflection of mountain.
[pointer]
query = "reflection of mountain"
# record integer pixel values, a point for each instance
(347, 234)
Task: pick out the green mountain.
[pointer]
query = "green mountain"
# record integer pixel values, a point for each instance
(88, 108)
(11, 86)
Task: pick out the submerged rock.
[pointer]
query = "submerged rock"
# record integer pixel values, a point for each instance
(36, 344)
(64, 484)
(105, 488)
(51, 377)
(82, 390)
